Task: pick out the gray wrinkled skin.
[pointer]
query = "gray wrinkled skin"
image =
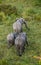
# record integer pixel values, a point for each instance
(17, 26)
(11, 39)
(20, 42)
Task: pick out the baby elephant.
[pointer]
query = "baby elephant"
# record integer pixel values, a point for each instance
(11, 39)
(20, 42)
(17, 26)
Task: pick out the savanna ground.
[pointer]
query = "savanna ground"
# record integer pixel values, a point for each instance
(31, 11)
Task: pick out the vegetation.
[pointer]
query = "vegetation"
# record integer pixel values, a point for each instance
(31, 11)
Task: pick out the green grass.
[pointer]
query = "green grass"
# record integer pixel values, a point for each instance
(31, 11)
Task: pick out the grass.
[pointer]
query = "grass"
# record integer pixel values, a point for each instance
(31, 11)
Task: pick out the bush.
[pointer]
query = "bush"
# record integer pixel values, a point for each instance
(8, 9)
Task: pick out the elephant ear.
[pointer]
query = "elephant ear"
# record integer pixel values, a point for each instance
(23, 19)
